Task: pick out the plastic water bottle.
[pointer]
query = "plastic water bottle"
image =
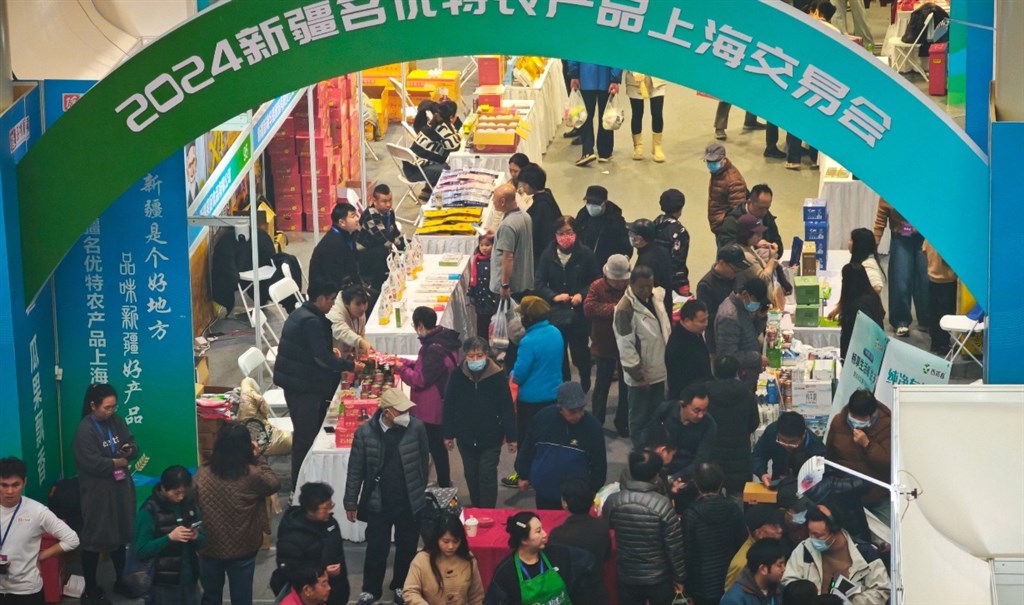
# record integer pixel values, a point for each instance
(773, 391)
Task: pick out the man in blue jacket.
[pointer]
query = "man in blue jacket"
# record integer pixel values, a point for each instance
(563, 441)
(595, 83)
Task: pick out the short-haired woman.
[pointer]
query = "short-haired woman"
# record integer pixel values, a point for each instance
(309, 536)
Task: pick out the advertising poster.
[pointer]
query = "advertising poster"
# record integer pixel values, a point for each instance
(907, 364)
(863, 360)
(124, 318)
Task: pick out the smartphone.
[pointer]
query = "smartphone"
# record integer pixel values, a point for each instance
(196, 525)
(328, 429)
(676, 477)
(774, 484)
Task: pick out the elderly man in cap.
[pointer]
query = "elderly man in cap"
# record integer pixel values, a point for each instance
(641, 236)
(762, 521)
(599, 308)
(538, 367)
(563, 441)
(736, 331)
(718, 283)
(600, 226)
(387, 476)
(512, 256)
(726, 189)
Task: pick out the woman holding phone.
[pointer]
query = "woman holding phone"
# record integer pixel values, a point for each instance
(104, 449)
(169, 529)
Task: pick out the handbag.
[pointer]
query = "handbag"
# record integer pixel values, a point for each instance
(137, 576)
(441, 502)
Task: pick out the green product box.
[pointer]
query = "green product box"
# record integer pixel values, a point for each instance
(808, 291)
(807, 316)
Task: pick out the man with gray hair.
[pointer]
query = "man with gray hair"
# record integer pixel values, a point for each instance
(512, 256)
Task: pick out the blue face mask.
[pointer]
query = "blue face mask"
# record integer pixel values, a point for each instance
(752, 306)
(819, 545)
(595, 209)
(714, 167)
(860, 424)
(476, 365)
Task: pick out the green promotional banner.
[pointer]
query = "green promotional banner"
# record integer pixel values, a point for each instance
(760, 54)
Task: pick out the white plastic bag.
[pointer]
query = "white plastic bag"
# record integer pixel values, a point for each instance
(498, 337)
(575, 111)
(613, 117)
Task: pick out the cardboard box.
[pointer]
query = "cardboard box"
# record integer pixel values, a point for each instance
(808, 290)
(283, 166)
(490, 70)
(757, 493)
(816, 231)
(324, 222)
(812, 396)
(289, 221)
(287, 183)
(807, 316)
(323, 163)
(279, 147)
(808, 259)
(490, 95)
(302, 143)
(324, 203)
(287, 203)
(815, 209)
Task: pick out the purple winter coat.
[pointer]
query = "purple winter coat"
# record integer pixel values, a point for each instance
(428, 375)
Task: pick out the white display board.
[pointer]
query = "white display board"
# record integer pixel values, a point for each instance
(961, 447)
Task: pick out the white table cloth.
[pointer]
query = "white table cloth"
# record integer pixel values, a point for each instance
(820, 337)
(851, 204)
(328, 464)
(458, 314)
(549, 94)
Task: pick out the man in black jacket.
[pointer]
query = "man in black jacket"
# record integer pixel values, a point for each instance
(787, 444)
(759, 203)
(734, 408)
(309, 536)
(541, 206)
(600, 226)
(308, 368)
(387, 477)
(693, 432)
(673, 237)
(686, 354)
(378, 235)
(718, 283)
(649, 254)
(335, 258)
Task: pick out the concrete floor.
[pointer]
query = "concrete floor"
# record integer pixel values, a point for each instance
(635, 186)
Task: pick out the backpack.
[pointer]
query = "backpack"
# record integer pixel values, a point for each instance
(441, 502)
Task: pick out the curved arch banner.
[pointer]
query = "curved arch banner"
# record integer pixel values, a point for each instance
(762, 55)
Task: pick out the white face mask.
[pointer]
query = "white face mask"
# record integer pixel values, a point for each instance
(402, 419)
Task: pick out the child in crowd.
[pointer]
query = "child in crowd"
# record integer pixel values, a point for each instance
(480, 296)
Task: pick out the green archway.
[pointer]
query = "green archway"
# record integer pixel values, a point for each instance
(760, 54)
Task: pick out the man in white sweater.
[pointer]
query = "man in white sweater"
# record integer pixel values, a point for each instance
(23, 521)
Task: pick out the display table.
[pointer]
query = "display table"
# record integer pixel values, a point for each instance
(327, 464)
(851, 204)
(490, 544)
(533, 146)
(449, 244)
(820, 337)
(457, 315)
(548, 92)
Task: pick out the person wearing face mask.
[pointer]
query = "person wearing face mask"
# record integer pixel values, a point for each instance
(718, 283)
(859, 438)
(538, 202)
(387, 478)
(564, 274)
(787, 444)
(686, 354)
(600, 226)
(764, 522)
(736, 331)
(726, 189)
(478, 414)
(599, 307)
(831, 553)
(760, 581)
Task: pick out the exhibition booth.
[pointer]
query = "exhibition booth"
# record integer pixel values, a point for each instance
(127, 283)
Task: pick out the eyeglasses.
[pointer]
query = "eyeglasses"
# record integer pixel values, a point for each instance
(788, 444)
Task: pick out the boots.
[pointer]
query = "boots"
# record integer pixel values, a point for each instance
(658, 154)
(638, 146)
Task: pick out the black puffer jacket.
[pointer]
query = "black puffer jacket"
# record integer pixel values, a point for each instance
(367, 460)
(734, 409)
(648, 534)
(305, 358)
(302, 542)
(544, 211)
(714, 532)
(575, 277)
(479, 412)
(605, 235)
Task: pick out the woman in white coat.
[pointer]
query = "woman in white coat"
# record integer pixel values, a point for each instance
(638, 88)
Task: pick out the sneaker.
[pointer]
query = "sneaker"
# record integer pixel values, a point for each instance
(586, 160)
(605, 160)
(773, 152)
(571, 134)
(95, 597)
(399, 599)
(511, 481)
(577, 141)
(755, 125)
(903, 331)
(366, 598)
(792, 165)
(720, 134)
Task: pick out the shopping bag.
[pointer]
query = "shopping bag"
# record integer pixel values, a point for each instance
(498, 333)
(613, 117)
(575, 114)
(137, 576)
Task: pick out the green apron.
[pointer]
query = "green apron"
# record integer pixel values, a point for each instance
(545, 589)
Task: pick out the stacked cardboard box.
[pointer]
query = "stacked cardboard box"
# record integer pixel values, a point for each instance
(816, 227)
(354, 414)
(336, 130)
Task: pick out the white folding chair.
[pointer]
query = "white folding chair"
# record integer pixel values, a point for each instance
(248, 362)
(905, 52)
(409, 132)
(286, 269)
(270, 338)
(400, 155)
(961, 328)
(282, 289)
(266, 272)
